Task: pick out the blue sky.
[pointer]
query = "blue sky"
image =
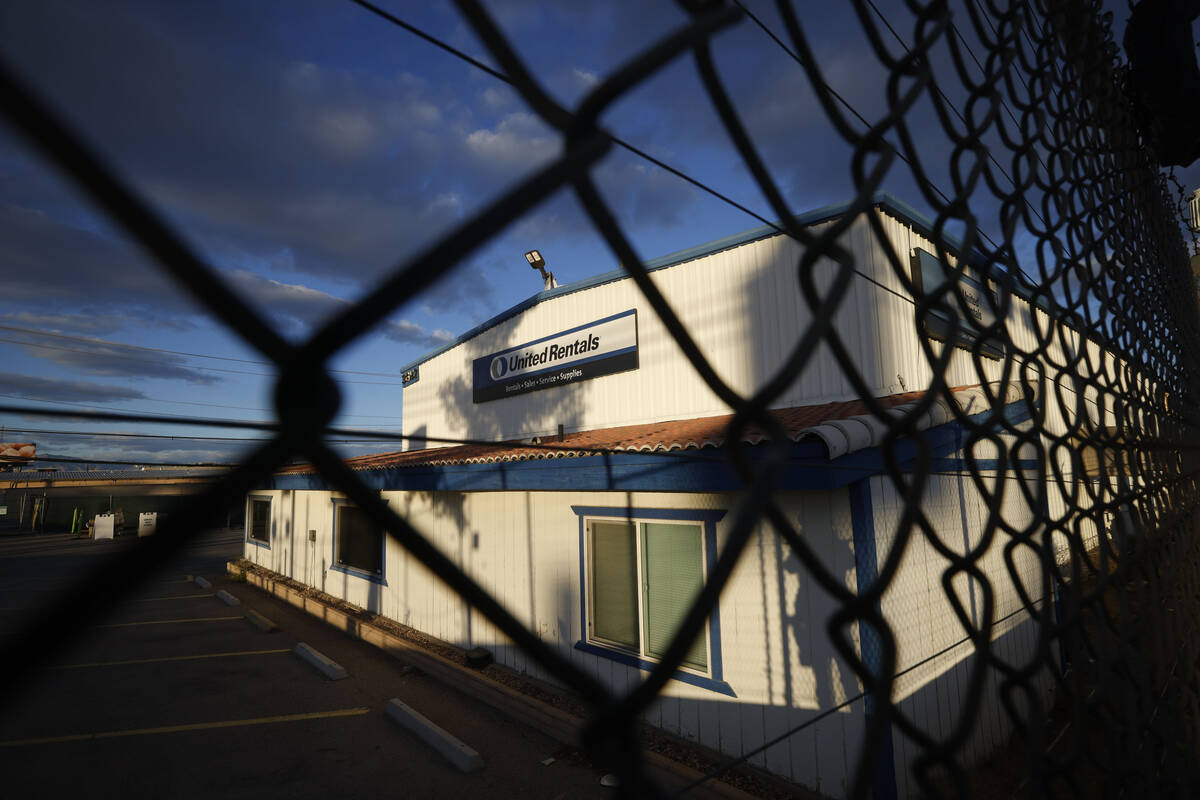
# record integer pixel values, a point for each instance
(306, 148)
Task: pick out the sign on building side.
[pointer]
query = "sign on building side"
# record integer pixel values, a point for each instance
(603, 347)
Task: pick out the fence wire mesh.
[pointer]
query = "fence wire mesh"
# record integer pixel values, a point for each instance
(1048, 136)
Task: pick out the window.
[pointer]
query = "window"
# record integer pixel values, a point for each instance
(644, 576)
(639, 572)
(357, 541)
(258, 520)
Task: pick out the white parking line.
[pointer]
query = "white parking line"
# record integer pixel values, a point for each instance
(198, 726)
(169, 658)
(165, 622)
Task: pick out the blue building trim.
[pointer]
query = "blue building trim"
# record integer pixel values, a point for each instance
(809, 468)
(359, 573)
(714, 681)
(866, 570)
(630, 660)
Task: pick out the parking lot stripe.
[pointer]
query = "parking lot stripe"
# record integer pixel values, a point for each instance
(169, 658)
(165, 622)
(173, 597)
(196, 726)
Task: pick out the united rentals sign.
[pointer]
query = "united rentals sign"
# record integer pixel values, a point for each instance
(967, 304)
(603, 347)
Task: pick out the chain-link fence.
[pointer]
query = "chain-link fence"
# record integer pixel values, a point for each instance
(1082, 228)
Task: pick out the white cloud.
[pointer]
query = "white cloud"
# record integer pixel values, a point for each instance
(301, 307)
(50, 389)
(344, 133)
(95, 323)
(495, 98)
(119, 362)
(586, 79)
(519, 142)
(448, 202)
(412, 333)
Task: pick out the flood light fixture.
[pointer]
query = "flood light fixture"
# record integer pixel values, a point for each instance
(534, 257)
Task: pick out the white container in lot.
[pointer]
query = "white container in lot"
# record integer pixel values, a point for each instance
(106, 526)
(147, 523)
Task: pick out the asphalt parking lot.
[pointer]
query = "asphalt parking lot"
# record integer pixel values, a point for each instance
(174, 694)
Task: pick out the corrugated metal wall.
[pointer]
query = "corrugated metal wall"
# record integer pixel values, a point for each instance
(523, 547)
(935, 658)
(745, 309)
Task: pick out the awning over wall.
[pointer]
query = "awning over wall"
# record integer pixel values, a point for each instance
(840, 434)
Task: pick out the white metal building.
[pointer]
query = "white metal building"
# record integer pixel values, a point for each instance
(600, 554)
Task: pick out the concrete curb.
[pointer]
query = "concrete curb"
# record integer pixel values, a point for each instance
(203, 583)
(259, 621)
(320, 662)
(228, 599)
(530, 711)
(449, 747)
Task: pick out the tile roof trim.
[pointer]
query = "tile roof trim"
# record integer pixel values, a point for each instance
(840, 435)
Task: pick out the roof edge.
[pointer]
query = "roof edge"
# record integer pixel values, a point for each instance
(893, 205)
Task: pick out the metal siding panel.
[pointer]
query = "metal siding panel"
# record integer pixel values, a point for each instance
(743, 307)
(708, 724)
(731, 729)
(778, 696)
(689, 719)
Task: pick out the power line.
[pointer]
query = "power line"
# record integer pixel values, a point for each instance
(1004, 104)
(185, 402)
(66, 460)
(171, 364)
(109, 343)
(118, 435)
(186, 437)
(616, 139)
(500, 76)
(899, 153)
(132, 358)
(958, 113)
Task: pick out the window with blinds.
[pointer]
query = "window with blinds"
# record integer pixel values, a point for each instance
(644, 576)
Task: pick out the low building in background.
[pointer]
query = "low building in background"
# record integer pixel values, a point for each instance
(61, 501)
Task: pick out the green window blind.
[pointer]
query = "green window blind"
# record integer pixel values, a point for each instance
(672, 578)
(614, 583)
